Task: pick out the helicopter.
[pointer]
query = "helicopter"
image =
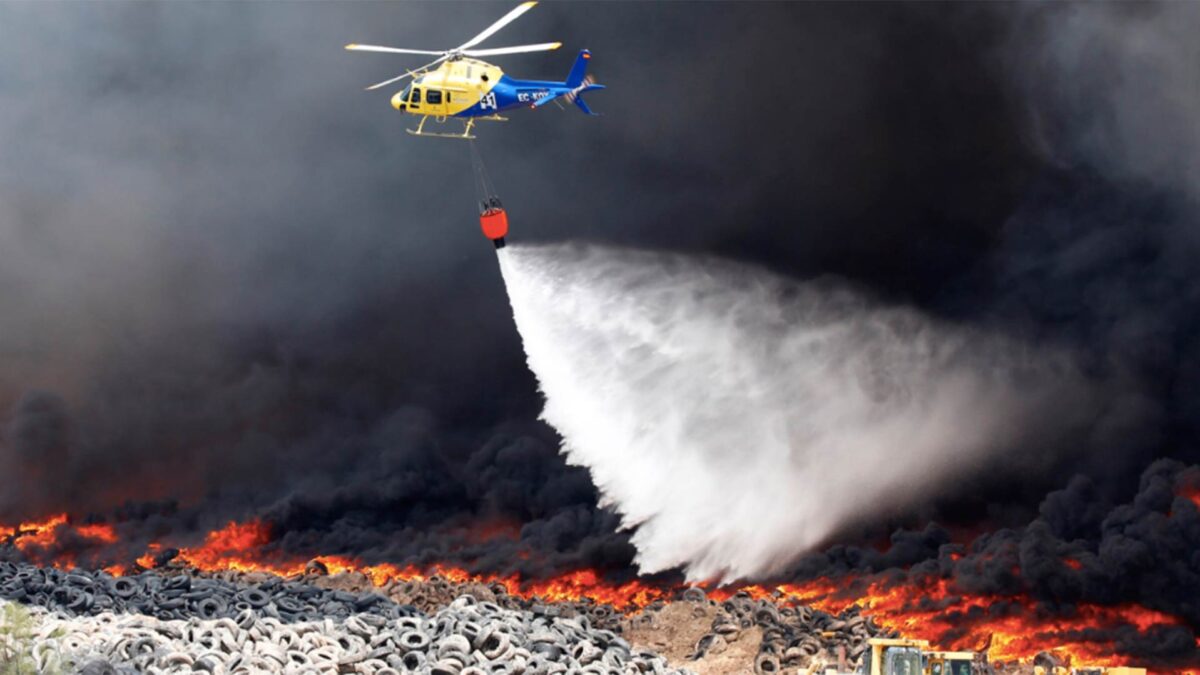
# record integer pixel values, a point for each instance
(468, 89)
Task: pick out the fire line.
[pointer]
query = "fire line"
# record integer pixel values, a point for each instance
(1013, 628)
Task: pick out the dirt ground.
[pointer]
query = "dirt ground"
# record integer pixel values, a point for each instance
(674, 630)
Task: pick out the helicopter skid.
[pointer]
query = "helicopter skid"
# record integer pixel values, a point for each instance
(466, 134)
(435, 134)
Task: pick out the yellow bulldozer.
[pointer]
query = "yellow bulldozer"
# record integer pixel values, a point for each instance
(899, 656)
(948, 663)
(894, 656)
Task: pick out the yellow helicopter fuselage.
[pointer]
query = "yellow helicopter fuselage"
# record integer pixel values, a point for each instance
(452, 88)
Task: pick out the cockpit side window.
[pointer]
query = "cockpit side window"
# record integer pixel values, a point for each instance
(961, 667)
(416, 97)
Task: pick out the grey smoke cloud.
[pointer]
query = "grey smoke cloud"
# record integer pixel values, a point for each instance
(1116, 87)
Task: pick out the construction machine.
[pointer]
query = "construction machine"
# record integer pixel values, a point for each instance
(894, 656)
(948, 663)
(900, 656)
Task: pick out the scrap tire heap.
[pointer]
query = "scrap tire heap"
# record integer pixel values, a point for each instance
(176, 620)
(183, 623)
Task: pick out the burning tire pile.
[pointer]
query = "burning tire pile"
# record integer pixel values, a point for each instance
(793, 637)
(182, 596)
(179, 621)
(742, 635)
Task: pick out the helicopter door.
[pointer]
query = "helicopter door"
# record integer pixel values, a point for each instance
(414, 102)
(434, 102)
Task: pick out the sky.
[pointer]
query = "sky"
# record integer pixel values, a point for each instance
(231, 285)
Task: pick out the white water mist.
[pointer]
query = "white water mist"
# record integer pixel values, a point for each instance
(738, 419)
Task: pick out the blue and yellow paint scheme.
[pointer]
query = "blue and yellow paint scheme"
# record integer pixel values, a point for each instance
(470, 89)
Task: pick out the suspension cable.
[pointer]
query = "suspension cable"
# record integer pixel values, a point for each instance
(485, 190)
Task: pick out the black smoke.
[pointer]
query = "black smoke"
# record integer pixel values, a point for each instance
(231, 287)
(1078, 550)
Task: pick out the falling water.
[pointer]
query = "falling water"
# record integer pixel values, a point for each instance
(737, 419)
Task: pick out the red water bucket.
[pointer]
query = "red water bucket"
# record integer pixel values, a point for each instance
(494, 223)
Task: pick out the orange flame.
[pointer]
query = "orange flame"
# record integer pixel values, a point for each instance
(950, 620)
(932, 609)
(100, 532)
(35, 534)
(1192, 492)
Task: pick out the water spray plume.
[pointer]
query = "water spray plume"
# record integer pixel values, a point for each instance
(738, 420)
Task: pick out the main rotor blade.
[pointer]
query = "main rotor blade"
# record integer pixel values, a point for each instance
(543, 47)
(504, 21)
(389, 50)
(414, 71)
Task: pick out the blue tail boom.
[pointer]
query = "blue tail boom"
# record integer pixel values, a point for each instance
(579, 69)
(579, 81)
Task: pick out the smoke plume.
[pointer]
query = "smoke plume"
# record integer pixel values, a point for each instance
(738, 419)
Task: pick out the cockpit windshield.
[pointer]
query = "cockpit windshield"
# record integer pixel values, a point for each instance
(406, 93)
(902, 661)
